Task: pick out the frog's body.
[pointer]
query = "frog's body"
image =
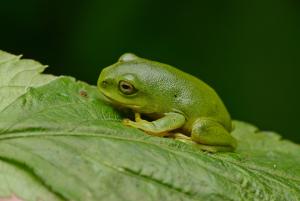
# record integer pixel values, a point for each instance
(175, 100)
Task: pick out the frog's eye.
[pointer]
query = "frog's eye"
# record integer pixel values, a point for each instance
(126, 87)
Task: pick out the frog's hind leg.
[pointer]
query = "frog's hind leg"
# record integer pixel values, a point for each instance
(208, 148)
(212, 136)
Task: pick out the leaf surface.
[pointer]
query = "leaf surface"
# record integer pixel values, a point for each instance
(60, 141)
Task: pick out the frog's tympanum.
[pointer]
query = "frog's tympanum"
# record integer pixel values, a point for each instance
(174, 103)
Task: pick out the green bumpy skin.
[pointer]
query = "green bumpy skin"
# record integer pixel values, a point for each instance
(179, 104)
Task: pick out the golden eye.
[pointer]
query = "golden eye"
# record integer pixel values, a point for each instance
(126, 87)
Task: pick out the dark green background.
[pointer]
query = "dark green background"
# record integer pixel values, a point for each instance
(247, 50)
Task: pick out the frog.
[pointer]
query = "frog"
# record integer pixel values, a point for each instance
(167, 102)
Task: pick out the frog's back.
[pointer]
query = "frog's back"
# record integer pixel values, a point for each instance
(196, 99)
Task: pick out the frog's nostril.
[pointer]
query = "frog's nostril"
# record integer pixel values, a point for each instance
(104, 83)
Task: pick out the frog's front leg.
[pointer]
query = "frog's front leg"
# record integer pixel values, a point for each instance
(160, 127)
(212, 136)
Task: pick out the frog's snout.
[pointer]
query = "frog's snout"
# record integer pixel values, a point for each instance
(104, 81)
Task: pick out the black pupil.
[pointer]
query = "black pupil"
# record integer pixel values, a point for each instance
(126, 86)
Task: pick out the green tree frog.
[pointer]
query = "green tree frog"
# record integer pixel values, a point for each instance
(175, 103)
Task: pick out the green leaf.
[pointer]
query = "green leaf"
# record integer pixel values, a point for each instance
(59, 141)
(16, 76)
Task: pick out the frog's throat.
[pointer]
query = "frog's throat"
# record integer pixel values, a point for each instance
(118, 103)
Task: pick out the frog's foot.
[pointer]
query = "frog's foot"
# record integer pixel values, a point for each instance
(159, 127)
(137, 117)
(212, 136)
(183, 138)
(128, 122)
(180, 136)
(214, 149)
(188, 140)
(143, 125)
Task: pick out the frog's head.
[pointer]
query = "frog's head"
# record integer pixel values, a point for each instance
(130, 83)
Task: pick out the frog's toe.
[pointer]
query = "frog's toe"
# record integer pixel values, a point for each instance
(138, 117)
(183, 138)
(127, 122)
(180, 136)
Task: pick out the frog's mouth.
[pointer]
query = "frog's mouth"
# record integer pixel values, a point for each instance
(118, 103)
